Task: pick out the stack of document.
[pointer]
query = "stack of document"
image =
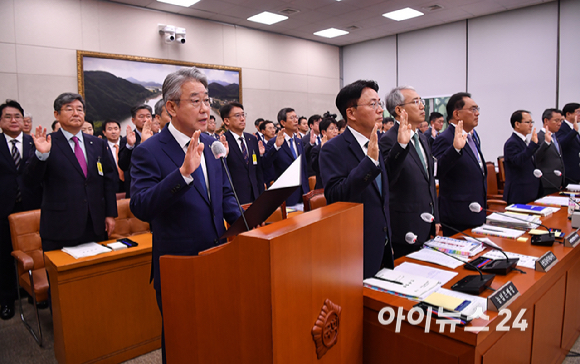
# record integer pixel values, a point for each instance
(464, 303)
(526, 261)
(573, 187)
(85, 250)
(402, 284)
(531, 209)
(521, 221)
(432, 256)
(554, 200)
(455, 246)
(498, 231)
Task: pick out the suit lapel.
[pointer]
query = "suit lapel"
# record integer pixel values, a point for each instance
(60, 141)
(92, 156)
(358, 152)
(5, 151)
(27, 147)
(416, 157)
(235, 148)
(212, 179)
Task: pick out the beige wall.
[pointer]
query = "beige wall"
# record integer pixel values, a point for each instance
(39, 39)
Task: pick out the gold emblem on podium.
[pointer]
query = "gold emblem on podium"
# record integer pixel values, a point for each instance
(325, 330)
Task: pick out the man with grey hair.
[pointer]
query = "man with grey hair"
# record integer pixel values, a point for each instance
(178, 186)
(27, 128)
(78, 177)
(409, 164)
(161, 114)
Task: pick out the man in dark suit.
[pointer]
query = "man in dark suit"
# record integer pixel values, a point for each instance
(112, 132)
(436, 120)
(267, 131)
(312, 138)
(352, 170)
(549, 154)
(140, 115)
(15, 147)
(284, 149)
(78, 178)
(245, 156)
(570, 141)
(328, 129)
(521, 186)
(211, 126)
(410, 168)
(259, 134)
(179, 187)
(460, 166)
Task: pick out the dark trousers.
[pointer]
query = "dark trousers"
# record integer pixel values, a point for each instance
(8, 286)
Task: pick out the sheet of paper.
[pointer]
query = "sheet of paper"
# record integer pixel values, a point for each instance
(497, 231)
(440, 275)
(476, 301)
(525, 261)
(431, 256)
(291, 176)
(85, 250)
(402, 284)
(553, 200)
(442, 300)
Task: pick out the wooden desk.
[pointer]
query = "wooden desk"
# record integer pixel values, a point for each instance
(103, 307)
(551, 300)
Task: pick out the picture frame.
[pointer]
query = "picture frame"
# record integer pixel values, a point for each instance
(112, 84)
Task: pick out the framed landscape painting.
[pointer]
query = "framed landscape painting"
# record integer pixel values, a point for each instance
(112, 84)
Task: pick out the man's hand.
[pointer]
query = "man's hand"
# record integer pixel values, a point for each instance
(433, 132)
(192, 156)
(146, 133)
(280, 138)
(323, 140)
(261, 147)
(575, 123)
(460, 139)
(437, 229)
(131, 138)
(225, 143)
(404, 135)
(312, 138)
(373, 149)
(548, 136)
(534, 136)
(109, 225)
(42, 142)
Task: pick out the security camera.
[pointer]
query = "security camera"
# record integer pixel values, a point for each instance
(168, 31)
(180, 35)
(169, 38)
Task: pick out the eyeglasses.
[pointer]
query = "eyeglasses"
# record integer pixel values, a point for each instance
(473, 109)
(374, 104)
(239, 115)
(79, 110)
(144, 116)
(528, 122)
(196, 103)
(294, 117)
(9, 117)
(414, 101)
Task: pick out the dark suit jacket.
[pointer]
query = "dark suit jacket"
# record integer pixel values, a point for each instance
(282, 159)
(120, 184)
(548, 159)
(68, 197)
(307, 149)
(461, 182)
(521, 186)
(348, 175)
(412, 190)
(570, 144)
(314, 161)
(429, 136)
(11, 179)
(248, 178)
(183, 220)
(125, 160)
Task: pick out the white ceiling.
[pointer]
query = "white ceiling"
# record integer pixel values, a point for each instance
(315, 15)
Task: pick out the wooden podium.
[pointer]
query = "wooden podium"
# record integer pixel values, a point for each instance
(258, 298)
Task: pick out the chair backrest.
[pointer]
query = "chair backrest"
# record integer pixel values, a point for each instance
(491, 179)
(126, 224)
(24, 229)
(501, 173)
(312, 182)
(314, 199)
(496, 205)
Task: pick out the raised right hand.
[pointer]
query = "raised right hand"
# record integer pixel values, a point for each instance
(192, 158)
(460, 139)
(280, 138)
(42, 142)
(131, 138)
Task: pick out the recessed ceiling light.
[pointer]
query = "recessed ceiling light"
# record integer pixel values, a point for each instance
(267, 18)
(331, 33)
(186, 3)
(403, 14)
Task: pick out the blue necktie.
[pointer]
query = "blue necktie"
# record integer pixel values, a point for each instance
(555, 142)
(292, 148)
(198, 174)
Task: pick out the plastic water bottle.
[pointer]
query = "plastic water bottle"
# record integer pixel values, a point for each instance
(571, 205)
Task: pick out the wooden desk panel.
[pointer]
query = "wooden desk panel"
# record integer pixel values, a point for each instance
(104, 308)
(571, 329)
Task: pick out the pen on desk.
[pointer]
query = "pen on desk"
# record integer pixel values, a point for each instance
(388, 280)
(488, 229)
(108, 247)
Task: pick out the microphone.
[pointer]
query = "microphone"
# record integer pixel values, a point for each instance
(559, 173)
(501, 267)
(543, 240)
(471, 284)
(539, 174)
(219, 152)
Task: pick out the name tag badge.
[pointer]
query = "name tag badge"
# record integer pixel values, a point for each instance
(254, 158)
(100, 167)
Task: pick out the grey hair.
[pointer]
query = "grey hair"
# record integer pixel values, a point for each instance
(174, 81)
(28, 115)
(67, 98)
(159, 105)
(396, 98)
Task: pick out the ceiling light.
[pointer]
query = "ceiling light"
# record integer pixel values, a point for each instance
(403, 14)
(186, 3)
(331, 33)
(267, 18)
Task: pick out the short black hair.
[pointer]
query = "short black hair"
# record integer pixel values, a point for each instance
(341, 124)
(282, 113)
(11, 103)
(212, 117)
(517, 117)
(90, 122)
(264, 123)
(227, 108)
(350, 94)
(300, 119)
(136, 108)
(53, 125)
(312, 119)
(548, 113)
(456, 103)
(67, 98)
(326, 122)
(110, 121)
(435, 115)
(388, 120)
(258, 122)
(570, 108)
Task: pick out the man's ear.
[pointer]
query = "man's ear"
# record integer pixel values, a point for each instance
(170, 108)
(350, 113)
